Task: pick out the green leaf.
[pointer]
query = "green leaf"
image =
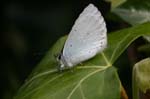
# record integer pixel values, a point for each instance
(141, 79)
(145, 48)
(147, 37)
(94, 79)
(134, 11)
(115, 3)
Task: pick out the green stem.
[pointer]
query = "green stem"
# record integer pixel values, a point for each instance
(135, 89)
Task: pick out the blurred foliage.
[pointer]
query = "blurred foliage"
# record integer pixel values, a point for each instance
(141, 79)
(132, 11)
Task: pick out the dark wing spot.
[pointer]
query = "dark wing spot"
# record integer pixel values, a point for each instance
(70, 45)
(102, 38)
(88, 33)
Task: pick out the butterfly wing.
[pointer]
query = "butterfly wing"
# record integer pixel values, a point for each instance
(87, 37)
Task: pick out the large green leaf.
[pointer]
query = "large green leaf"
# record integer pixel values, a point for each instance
(94, 79)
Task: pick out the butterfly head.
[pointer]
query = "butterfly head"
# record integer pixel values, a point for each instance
(63, 64)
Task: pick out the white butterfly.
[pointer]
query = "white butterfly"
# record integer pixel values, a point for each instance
(87, 38)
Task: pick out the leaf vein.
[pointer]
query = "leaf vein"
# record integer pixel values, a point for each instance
(51, 80)
(40, 74)
(115, 51)
(82, 93)
(83, 79)
(106, 59)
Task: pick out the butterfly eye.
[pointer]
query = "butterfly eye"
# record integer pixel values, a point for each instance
(59, 57)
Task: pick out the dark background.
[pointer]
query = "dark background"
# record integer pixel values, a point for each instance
(30, 28)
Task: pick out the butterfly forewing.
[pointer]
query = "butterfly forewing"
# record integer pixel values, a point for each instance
(87, 37)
